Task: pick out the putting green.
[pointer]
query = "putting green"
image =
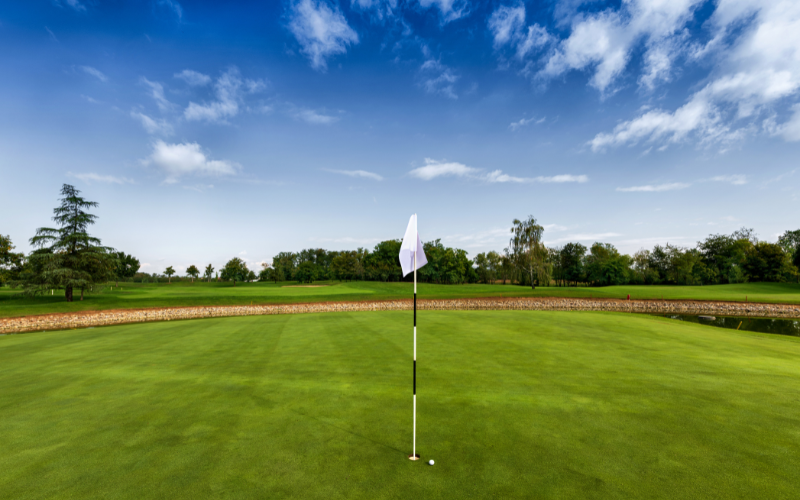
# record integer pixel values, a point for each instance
(511, 404)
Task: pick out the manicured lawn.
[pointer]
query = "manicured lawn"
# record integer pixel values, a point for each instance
(511, 404)
(196, 294)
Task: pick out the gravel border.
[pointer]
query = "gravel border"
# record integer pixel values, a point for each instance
(122, 316)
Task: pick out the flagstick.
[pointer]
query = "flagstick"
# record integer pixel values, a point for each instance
(414, 455)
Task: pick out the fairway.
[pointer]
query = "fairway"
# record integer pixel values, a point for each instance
(135, 295)
(523, 404)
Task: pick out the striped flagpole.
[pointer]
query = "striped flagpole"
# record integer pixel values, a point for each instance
(414, 455)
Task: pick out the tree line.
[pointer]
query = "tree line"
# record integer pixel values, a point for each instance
(67, 257)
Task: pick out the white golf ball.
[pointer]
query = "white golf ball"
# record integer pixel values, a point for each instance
(430, 462)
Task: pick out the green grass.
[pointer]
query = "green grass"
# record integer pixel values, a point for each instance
(511, 404)
(201, 294)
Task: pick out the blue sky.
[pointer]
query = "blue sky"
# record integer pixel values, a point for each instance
(207, 131)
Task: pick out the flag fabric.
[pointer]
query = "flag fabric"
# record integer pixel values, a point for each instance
(411, 243)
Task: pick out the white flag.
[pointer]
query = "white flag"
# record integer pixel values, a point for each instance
(411, 243)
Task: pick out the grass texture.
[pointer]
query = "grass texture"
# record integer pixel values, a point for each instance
(515, 404)
(130, 295)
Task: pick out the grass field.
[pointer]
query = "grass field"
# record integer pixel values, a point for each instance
(511, 404)
(197, 294)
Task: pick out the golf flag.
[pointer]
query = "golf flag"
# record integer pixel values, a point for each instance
(412, 257)
(411, 244)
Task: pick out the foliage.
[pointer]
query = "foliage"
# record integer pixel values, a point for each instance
(529, 254)
(10, 262)
(193, 272)
(169, 272)
(769, 262)
(127, 265)
(67, 256)
(235, 270)
(306, 272)
(208, 272)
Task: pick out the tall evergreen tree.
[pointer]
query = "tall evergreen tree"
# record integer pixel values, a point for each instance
(67, 255)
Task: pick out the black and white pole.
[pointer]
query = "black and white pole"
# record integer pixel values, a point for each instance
(414, 455)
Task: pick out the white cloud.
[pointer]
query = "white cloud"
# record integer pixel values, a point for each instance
(437, 78)
(379, 9)
(507, 25)
(321, 31)
(604, 41)
(736, 179)
(434, 168)
(229, 90)
(108, 179)
(95, 73)
(157, 93)
(358, 173)
(193, 78)
(756, 49)
(499, 176)
(177, 160)
(153, 126)
(514, 126)
(449, 10)
(657, 188)
(313, 117)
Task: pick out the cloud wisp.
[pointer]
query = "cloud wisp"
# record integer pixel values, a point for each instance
(435, 168)
(523, 122)
(313, 117)
(229, 90)
(654, 188)
(152, 125)
(449, 10)
(94, 72)
(321, 30)
(193, 78)
(436, 78)
(157, 93)
(185, 159)
(357, 173)
(90, 177)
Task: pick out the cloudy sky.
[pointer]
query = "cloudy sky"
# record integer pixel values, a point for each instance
(207, 132)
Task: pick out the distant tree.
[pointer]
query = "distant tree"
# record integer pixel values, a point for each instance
(769, 262)
(193, 272)
(251, 276)
(790, 242)
(528, 251)
(269, 273)
(235, 270)
(306, 272)
(572, 256)
(482, 267)
(345, 265)
(67, 255)
(10, 262)
(606, 266)
(169, 272)
(284, 264)
(127, 266)
(506, 266)
(209, 272)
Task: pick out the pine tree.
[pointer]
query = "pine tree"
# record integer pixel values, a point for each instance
(67, 255)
